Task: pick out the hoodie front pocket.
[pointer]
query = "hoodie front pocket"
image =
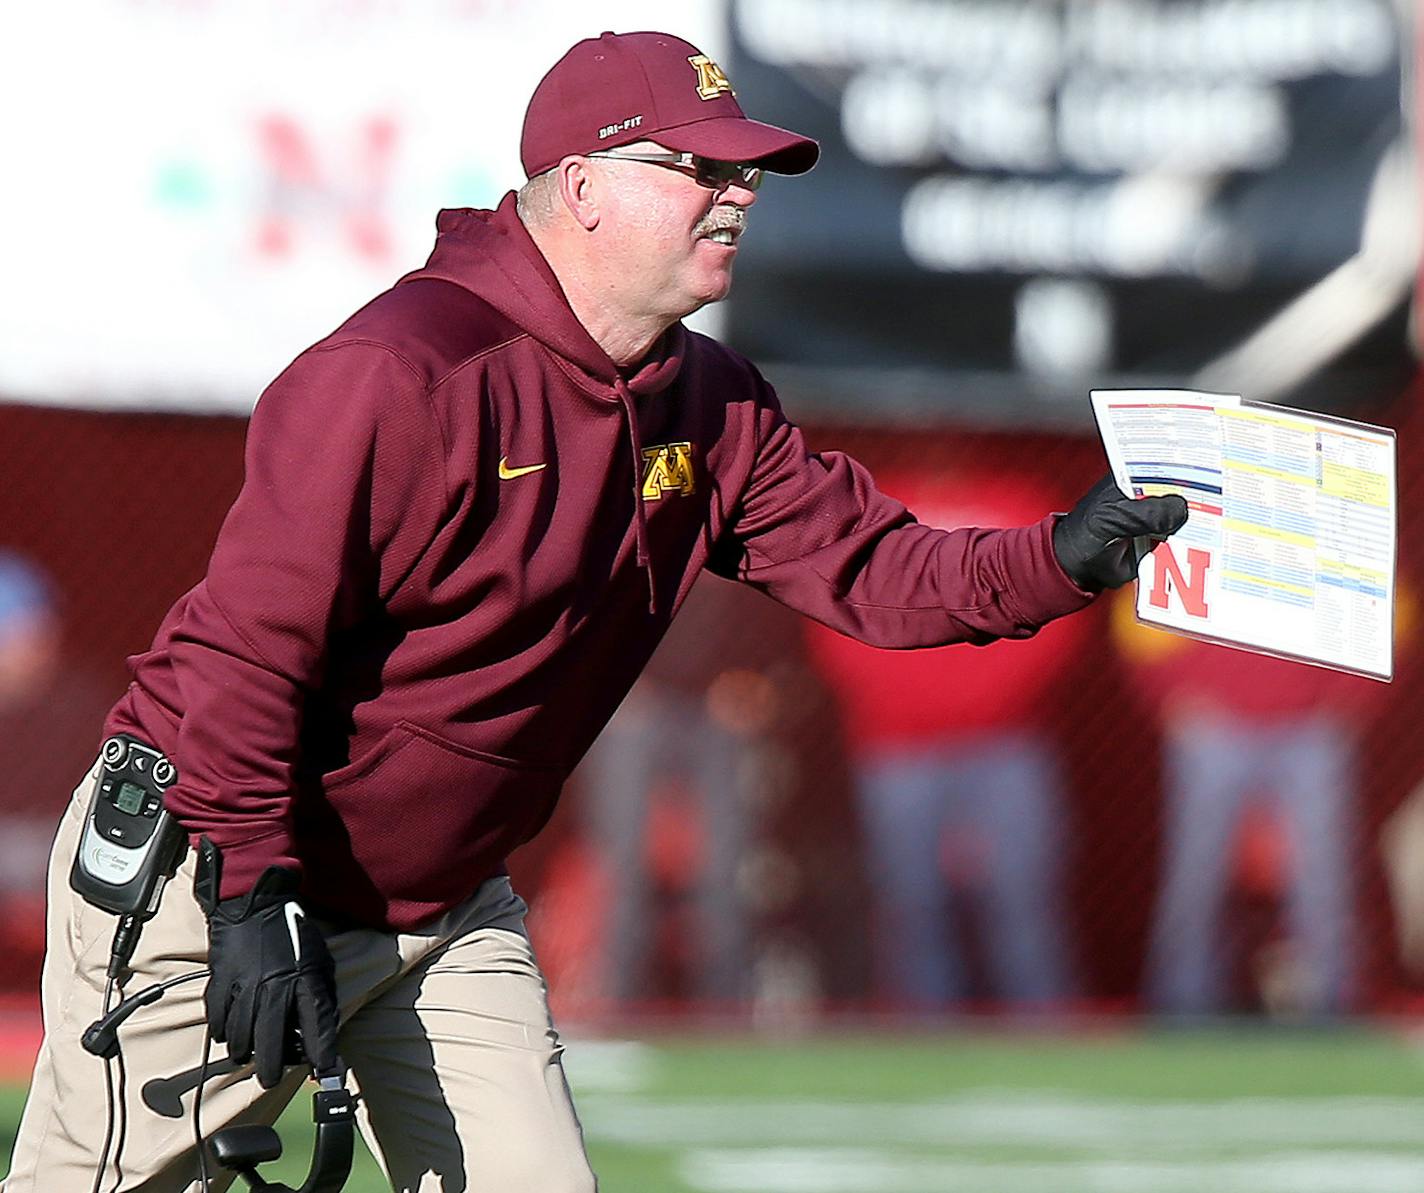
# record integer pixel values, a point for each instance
(426, 819)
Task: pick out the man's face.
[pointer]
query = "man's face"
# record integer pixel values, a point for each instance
(674, 239)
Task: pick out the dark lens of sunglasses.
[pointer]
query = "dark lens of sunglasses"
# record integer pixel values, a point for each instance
(714, 173)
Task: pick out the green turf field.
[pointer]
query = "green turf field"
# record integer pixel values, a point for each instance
(1229, 1111)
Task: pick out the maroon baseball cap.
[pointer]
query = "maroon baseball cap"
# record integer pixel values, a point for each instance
(623, 87)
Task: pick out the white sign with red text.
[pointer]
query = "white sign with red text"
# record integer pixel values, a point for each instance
(198, 189)
(1289, 548)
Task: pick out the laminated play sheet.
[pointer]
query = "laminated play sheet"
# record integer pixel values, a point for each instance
(1289, 548)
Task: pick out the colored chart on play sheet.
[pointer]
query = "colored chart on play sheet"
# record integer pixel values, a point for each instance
(1289, 548)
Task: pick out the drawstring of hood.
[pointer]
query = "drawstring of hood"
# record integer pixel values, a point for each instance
(640, 509)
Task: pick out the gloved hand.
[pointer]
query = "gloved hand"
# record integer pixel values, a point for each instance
(272, 975)
(1093, 541)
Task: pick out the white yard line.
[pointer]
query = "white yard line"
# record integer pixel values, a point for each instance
(615, 1066)
(1061, 1141)
(791, 1170)
(994, 1119)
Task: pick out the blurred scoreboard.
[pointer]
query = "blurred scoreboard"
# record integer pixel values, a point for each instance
(1018, 201)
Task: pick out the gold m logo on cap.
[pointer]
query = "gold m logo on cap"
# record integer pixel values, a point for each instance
(711, 82)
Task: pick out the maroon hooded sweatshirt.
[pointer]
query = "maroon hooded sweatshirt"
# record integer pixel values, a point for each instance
(461, 534)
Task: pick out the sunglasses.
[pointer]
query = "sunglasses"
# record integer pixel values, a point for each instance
(707, 171)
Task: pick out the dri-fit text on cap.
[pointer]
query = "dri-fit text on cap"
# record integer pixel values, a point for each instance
(609, 130)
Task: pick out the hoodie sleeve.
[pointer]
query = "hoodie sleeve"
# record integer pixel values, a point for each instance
(813, 531)
(343, 489)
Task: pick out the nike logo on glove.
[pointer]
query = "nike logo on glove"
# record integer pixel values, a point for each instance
(294, 915)
(506, 473)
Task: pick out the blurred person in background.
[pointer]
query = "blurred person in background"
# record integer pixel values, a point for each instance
(468, 518)
(51, 710)
(696, 723)
(1401, 844)
(30, 636)
(50, 715)
(960, 787)
(1260, 770)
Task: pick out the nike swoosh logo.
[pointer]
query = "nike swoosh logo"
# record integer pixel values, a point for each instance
(506, 473)
(294, 915)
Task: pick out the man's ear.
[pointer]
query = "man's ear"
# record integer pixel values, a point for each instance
(578, 191)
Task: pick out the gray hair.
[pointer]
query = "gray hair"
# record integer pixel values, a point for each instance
(535, 201)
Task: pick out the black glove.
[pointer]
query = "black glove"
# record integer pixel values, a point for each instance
(1093, 541)
(263, 990)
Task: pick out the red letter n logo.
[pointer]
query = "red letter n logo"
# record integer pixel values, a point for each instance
(307, 190)
(1167, 578)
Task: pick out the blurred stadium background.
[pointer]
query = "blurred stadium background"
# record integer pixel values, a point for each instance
(1017, 202)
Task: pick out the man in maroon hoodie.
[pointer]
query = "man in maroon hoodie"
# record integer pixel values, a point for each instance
(469, 515)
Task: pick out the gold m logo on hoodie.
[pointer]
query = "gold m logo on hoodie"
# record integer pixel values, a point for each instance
(668, 469)
(711, 82)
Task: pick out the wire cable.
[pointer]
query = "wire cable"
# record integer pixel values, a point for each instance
(122, 1118)
(198, 1112)
(101, 1038)
(108, 1099)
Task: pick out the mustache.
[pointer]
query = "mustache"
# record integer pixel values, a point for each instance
(719, 218)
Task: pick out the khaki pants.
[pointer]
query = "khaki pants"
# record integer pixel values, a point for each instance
(446, 1032)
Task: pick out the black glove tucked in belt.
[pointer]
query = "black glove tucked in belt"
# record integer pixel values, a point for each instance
(1093, 541)
(272, 993)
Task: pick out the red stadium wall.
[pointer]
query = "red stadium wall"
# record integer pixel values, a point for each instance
(121, 510)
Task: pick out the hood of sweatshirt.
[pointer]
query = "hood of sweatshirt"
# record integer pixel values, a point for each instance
(491, 254)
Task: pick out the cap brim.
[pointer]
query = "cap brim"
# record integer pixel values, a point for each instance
(737, 139)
